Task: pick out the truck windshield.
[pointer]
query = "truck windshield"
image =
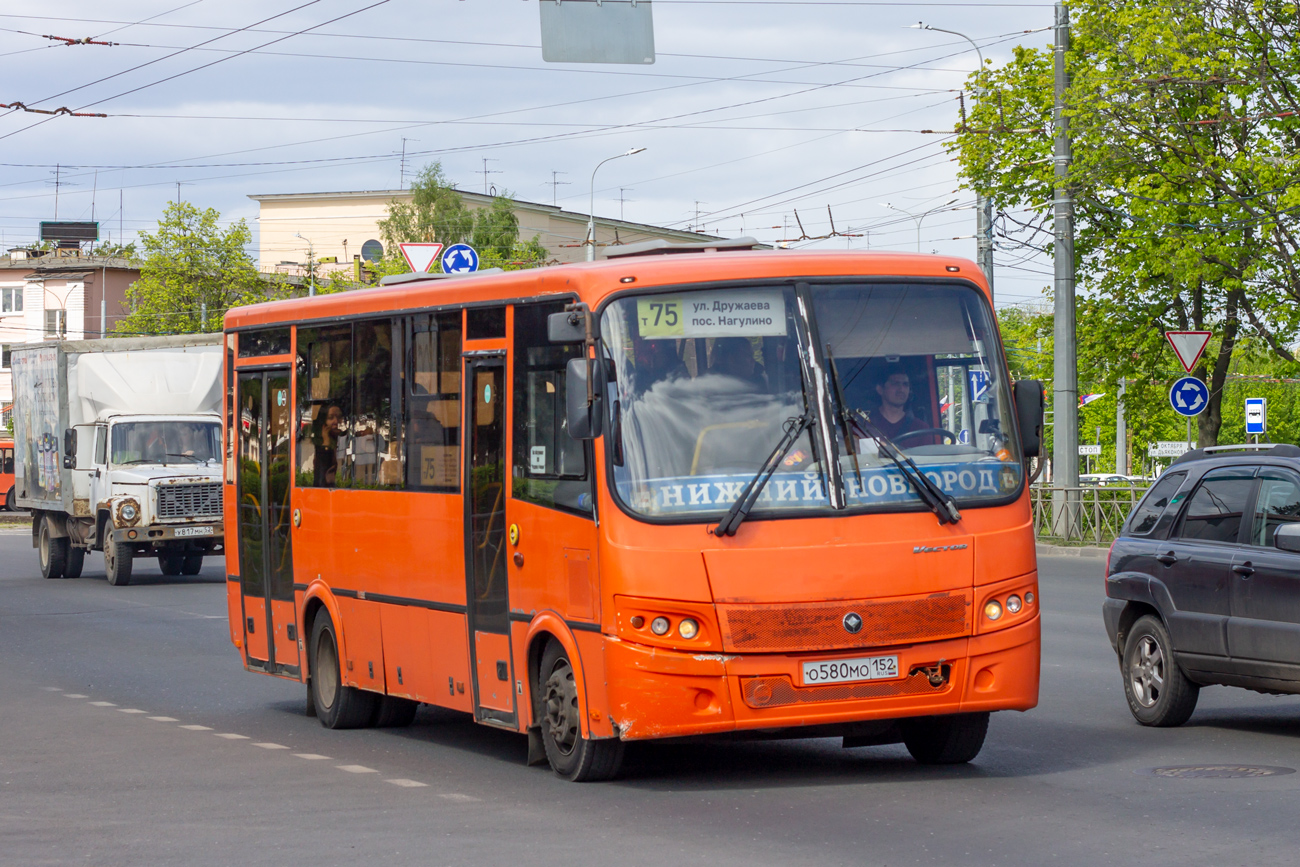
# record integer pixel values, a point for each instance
(704, 383)
(165, 442)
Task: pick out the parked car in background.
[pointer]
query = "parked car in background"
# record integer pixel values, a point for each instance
(1201, 584)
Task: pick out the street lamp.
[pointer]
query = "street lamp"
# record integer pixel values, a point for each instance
(591, 210)
(311, 268)
(918, 217)
(983, 205)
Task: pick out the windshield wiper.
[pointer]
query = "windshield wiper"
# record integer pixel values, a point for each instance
(939, 501)
(730, 522)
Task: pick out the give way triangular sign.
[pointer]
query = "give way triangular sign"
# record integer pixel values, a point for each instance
(1188, 346)
(420, 256)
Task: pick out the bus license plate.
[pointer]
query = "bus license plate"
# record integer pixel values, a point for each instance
(182, 532)
(850, 670)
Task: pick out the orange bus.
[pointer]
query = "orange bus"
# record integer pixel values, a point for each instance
(7, 474)
(678, 492)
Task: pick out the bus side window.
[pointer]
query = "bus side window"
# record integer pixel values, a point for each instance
(550, 467)
(433, 403)
(376, 461)
(8, 468)
(324, 406)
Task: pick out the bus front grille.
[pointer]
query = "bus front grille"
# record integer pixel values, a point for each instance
(762, 692)
(799, 627)
(193, 500)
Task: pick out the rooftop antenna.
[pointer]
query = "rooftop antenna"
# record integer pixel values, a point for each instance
(486, 171)
(622, 199)
(94, 191)
(556, 183)
(401, 181)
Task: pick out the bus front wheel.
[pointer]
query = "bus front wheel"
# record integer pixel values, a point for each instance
(571, 756)
(946, 740)
(337, 706)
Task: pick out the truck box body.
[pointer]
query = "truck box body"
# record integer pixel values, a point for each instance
(60, 385)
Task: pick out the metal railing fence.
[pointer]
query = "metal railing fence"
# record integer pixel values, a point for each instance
(1086, 515)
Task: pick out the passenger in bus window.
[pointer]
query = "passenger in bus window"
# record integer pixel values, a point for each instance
(734, 357)
(329, 446)
(656, 361)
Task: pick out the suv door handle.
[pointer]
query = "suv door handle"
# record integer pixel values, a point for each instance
(1245, 570)
(1168, 559)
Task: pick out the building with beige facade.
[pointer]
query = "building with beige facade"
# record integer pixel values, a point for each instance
(297, 227)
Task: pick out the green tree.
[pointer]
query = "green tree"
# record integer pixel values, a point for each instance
(1185, 187)
(191, 262)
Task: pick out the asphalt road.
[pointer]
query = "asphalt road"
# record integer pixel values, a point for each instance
(132, 736)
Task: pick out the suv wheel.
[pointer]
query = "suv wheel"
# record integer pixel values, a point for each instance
(1158, 692)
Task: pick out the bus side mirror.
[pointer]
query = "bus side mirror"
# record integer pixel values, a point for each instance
(567, 327)
(583, 418)
(70, 449)
(1028, 396)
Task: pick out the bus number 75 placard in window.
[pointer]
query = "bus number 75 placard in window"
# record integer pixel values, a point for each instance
(660, 317)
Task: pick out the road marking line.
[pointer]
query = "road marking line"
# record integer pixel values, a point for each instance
(457, 796)
(198, 728)
(163, 719)
(130, 710)
(311, 756)
(271, 746)
(232, 737)
(408, 784)
(74, 695)
(52, 688)
(356, 769)
(103, 704)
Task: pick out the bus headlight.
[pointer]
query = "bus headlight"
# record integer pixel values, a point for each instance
(993, 609)
(688, 628)
(1013, 604)
(660, 626)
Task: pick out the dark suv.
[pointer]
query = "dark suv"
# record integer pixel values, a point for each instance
(1203, 583)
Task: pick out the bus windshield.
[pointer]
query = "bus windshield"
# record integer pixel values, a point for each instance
(165, 442)
(705, 383)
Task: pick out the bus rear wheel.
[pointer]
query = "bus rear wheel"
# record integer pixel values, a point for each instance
(337, 706)
(946, 740)
(571, 756)
(392, 712)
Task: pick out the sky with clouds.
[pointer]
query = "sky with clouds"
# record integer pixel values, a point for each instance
(754, 110)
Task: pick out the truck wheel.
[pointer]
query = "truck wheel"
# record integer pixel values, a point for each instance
(170, 562)
(76, 559)
(117, 562)
(192, 564)
(337, 706)
(946, 740)
(573, 757)
(53, 552)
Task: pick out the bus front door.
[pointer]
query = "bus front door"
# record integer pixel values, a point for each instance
(265, 554)
(485, 539)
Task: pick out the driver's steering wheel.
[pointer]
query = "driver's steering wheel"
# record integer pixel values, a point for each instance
(946, 434)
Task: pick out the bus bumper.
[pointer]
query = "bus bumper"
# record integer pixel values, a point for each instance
(665, 693)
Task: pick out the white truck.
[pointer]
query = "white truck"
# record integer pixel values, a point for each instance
(118, 449)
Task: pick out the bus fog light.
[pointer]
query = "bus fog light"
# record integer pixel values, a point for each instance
(660, 625)
(637, 621)
(1013, 604)
(993, 609)
(688, 628)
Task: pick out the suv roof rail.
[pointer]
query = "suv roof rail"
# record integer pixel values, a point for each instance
(650, 248)
(1281, 450)
(417, 276)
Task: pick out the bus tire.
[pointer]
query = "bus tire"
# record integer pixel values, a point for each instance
(118, 559)
(9, 500)
(169, 562)
(337, 706)
(53, 552)
(946, 740)
(192, 564)
(392, 712)
(570, 755)
(76, 559)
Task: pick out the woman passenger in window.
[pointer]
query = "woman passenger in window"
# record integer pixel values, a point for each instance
(327, 448)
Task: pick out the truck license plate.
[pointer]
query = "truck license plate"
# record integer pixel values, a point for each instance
(182, 532)
(850, 670)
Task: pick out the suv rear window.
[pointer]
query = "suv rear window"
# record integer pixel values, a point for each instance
(1154, 503)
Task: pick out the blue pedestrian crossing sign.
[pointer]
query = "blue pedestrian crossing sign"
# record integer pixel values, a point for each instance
(459, 259)
(1189, 396)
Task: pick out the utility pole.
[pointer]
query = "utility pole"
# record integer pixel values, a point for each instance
(1065, 386)
(1121, 432)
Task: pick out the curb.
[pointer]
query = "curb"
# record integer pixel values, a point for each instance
(1090, 551)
